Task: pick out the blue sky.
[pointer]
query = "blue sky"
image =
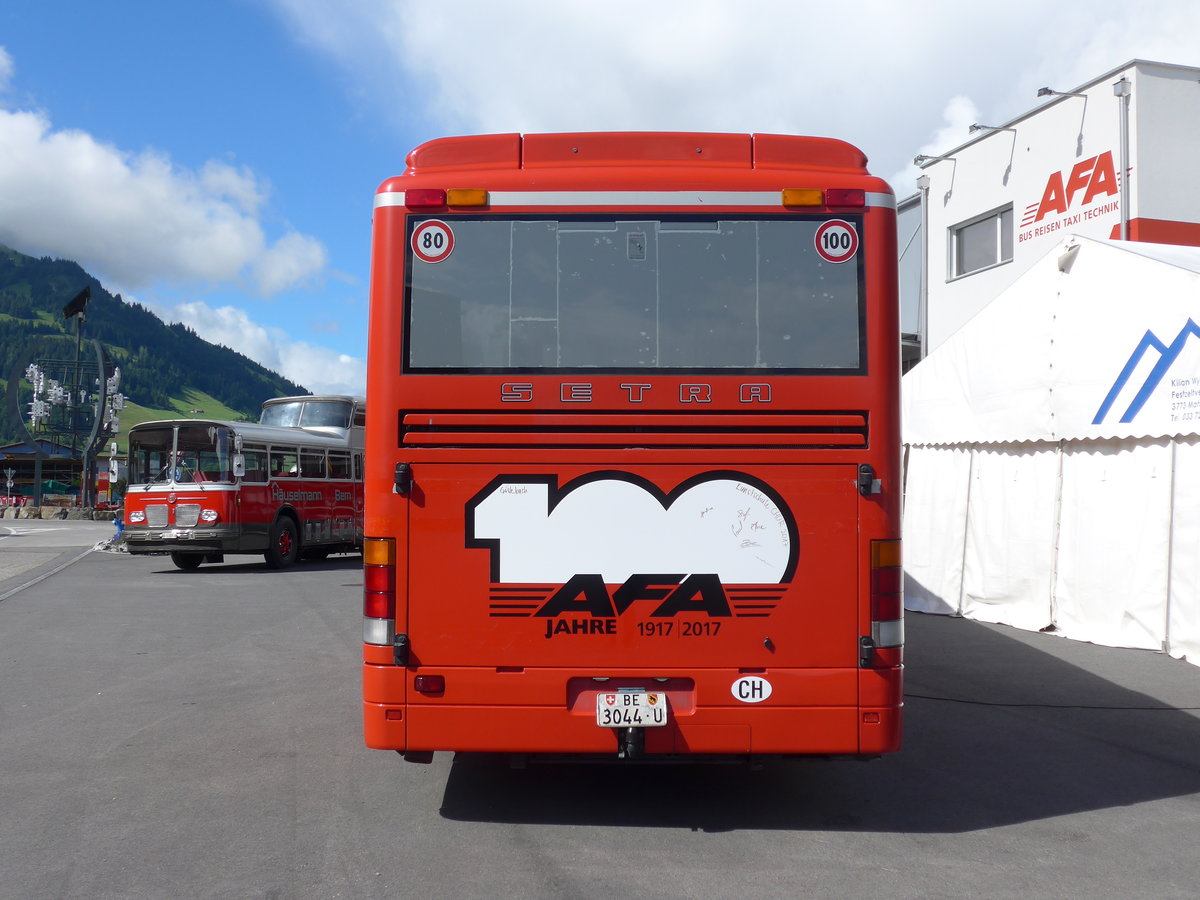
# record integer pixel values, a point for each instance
(216, 160)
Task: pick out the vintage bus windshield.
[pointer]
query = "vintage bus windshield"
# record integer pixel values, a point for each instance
(630, 293)
(308, 414)
(185, 454)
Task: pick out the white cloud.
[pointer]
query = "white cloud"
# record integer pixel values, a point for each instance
(289, 261)
(322, 370)
(239, 185)
(138, 219)
(958, 116)
(876, 73)
(319, 369)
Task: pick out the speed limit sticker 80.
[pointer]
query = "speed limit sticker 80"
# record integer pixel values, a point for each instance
(837, 241)
(432, 241)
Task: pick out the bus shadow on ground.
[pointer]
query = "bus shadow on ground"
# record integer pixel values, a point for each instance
(1001, 727)
(243, 565)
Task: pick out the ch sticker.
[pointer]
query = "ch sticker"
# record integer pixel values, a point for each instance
(432, 241)
(751, 689)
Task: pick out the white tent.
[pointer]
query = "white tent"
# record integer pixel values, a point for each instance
(1052, 451)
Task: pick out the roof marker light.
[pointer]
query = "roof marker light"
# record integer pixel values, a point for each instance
(424, 198)
(845, 197)
(803, 197)
(466, 197)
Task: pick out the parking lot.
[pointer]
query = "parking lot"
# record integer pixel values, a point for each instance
(167, 733)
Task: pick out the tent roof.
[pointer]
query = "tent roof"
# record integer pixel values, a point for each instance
(1095, 340)
(1171, 254)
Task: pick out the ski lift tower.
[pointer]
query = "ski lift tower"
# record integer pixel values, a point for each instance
(74, 403)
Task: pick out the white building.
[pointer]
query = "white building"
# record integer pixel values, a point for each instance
(1052, 436)
(991, 207)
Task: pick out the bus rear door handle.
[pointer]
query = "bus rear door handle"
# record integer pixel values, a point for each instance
(403, 480)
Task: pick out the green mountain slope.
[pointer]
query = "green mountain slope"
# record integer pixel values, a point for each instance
(166, 370)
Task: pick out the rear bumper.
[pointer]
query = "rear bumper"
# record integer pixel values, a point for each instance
(552, 711)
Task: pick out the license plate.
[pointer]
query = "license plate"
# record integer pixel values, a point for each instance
(629, 709)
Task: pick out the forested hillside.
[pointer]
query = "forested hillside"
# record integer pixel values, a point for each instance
(158, 362)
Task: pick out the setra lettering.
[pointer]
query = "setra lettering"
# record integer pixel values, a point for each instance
(629, 392)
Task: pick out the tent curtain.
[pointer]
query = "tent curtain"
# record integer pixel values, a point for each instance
(1094, 540)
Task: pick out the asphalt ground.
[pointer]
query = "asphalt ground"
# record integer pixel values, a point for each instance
(175, 734)
(30, 548)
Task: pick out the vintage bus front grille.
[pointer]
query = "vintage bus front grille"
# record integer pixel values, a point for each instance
(187, 514)
(156, 515)
(615, 430)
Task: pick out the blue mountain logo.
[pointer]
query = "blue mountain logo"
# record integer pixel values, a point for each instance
(1167, 357)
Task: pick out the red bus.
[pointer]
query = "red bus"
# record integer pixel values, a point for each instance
(633, 449)
(288, 487)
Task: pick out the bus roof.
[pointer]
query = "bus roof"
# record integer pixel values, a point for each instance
(308, 398)
(530, 151)
(262, 434)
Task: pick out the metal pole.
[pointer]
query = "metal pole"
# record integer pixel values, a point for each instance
(923, 293)
(1122, 90)
(78, 381)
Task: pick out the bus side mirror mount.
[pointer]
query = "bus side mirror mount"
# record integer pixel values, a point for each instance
(239, 465)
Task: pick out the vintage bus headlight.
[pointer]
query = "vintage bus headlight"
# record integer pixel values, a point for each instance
(137, 517)
(209, 516)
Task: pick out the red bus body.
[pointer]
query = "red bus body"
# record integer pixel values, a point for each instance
(633, 429)
(199, 489)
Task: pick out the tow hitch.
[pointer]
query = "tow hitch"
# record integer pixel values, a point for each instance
(633, 743)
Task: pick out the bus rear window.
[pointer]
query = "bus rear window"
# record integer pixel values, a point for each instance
(634, 294)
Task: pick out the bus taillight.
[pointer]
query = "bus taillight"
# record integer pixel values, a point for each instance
(844, 197)
(887, 595)
(379, 590)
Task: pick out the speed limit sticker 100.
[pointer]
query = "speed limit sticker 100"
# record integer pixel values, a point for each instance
(432, 241)
(837, 241)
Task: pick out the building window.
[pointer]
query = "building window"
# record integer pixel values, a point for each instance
(982, 242)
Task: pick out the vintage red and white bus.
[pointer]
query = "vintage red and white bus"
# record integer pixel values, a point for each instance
(633, 449)
(287, 487)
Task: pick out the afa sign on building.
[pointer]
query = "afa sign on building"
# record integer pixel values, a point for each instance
(1110, 159)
